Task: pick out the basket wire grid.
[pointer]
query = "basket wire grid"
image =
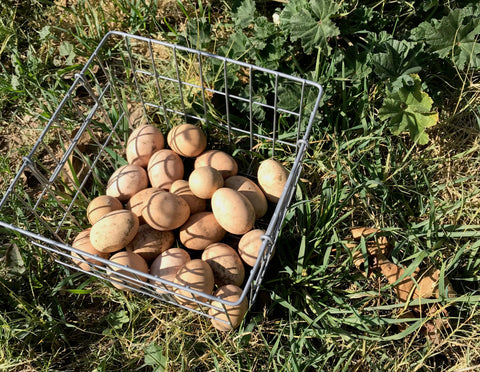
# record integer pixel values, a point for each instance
(256, 112)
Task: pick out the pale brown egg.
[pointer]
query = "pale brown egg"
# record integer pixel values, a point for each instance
(204, 181)
(249, 246)
(233, 211)
(272, 178)
(137, 202)
(226, 264)
(100, 206)
(132, 261)
(114, 231)
(194, 274)
(142, 143)
(150, 243)
(200, 230)
(126, 181)
(164, 167)
(165, 211)
(187, 140)
(167, 264)
(230, 316)
(218, 160)
(181, 188)
(82, 243)
(252, 191)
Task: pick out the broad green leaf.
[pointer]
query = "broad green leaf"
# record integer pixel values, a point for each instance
(244, 14)
(309, 22)
(398, 59)
(155, 358)
(454, 36)
(409, 109)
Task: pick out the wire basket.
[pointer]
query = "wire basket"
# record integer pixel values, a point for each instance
(251, 112)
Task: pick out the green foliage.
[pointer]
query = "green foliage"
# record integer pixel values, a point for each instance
(454, 36)
(409, 109)
(310, 22)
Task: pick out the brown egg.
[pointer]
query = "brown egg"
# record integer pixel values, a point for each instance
(233, 211)
(82, 243)
(126, 181)
(166, 266)
(204, 181)
(137, 202)
(164, 167)
(249, 246)
(226, 264)
(114, 231)
(200, 230)
(132, 261)
(194, 274)
(150, 243)
(187, 140)
(142, 143)
(230, 316)
(181, 188)
(272, 178)
(252, 191)
(218, 160)
(165, 211)
(100, 206)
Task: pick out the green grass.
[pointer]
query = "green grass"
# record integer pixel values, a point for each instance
(315, 311)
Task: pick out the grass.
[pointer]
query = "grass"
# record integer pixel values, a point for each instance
(315, 310)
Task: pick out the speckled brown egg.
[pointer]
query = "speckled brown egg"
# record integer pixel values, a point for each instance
(194, 274)
(167, 264)
(272, 178)
(137, 201)
(249, 246)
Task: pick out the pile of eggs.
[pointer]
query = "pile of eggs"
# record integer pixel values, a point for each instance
(154, 217)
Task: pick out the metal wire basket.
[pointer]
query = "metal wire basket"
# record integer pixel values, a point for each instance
(252, 112)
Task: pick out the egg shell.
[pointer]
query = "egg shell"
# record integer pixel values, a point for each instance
(100, 206)
(165, 211)
(204, 181)
(150, 243)
(114, 231)
(194, 274)
(232, 314)
(164, 167)
(133, 261)
(200, 230)
(249, 246)
(226, 264)
(142, 143)
(272, 178)
(167, 264)
(233, 211)
(218, 160)
(252, 191)
(187, 140)
(126, 181)
(137, 202)
(181, 188)
(82, 243)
